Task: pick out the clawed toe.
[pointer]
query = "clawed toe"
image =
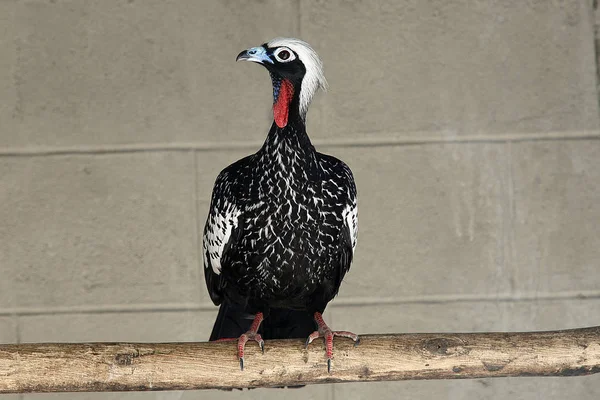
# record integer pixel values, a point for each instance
(328, 335)
(251, 334)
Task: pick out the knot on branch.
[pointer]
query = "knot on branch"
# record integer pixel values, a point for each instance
(445, 346)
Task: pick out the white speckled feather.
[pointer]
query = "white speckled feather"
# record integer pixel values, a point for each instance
(216, 235)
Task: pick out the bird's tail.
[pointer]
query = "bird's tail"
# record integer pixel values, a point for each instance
(232, 321)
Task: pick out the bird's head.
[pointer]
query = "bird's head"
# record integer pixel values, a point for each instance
(296, 71)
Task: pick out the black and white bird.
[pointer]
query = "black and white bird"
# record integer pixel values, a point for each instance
(283, 222)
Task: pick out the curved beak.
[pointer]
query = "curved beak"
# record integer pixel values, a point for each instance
(255, 54)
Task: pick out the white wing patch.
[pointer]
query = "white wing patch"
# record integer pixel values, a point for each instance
(216, 235)
(350, 215)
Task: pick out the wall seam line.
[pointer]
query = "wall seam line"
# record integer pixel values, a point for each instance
(350, 302)
(335, 143)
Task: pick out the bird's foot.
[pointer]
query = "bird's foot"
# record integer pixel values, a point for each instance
(251, 334)
(327, 334)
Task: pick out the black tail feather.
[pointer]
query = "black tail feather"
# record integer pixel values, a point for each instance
(232, 321)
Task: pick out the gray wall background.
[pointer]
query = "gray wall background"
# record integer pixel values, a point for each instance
(472, 128)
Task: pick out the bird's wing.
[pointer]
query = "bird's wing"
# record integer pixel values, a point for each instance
(221, 229)
(350, 216)
(349, 235)
(350, 212)
(339, 183)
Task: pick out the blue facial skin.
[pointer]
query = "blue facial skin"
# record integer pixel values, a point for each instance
(256, 54)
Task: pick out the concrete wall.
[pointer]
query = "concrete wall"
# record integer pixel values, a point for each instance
(472, 128)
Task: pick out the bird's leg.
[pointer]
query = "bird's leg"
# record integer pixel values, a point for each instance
(251, 334)
(327, 334)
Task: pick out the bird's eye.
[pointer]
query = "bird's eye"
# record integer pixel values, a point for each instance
(284, 54)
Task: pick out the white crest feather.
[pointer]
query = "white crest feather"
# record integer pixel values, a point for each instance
(314, 77)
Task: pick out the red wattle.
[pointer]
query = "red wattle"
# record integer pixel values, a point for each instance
(281, 107)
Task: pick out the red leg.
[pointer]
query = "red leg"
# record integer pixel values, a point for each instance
(328, 335)
(251, 334)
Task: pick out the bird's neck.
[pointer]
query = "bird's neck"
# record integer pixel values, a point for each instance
(288, 149)
(286, 102)
(293, 136)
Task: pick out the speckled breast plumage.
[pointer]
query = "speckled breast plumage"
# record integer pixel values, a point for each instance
(291, 234)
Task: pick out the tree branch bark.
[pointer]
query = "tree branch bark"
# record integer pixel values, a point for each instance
(98, 367)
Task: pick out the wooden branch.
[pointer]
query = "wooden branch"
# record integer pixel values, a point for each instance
(99, 367)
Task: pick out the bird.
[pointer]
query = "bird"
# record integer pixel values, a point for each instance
(282, 224)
